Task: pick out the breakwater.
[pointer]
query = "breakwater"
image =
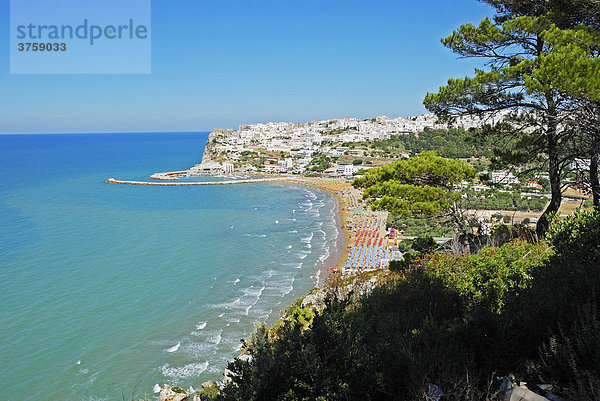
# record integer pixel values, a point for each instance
(180, 183)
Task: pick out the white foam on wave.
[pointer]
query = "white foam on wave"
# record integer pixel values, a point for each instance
(293, 232)
(255, 302)
(324, 257)
(173, 348)
(317, 276)
(200, 325)
(94, 398)
(289, 288)
(237, 280)
(288, 247)
(201, 349)
(156, 388)
(255, 235)
(308, 239)
(294, 265)
(251, 291)
(184, 372)
(314, 214)
(311, 195)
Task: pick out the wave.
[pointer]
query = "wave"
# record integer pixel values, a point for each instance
(173, 348)
(200, 325)
(255, 302)
(289, 288)
(255, 235)
(237, 280)
(317, 276)
(308, 239)
(184, 372)
(324, 257)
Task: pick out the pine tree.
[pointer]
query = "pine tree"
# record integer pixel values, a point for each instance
(524, 75)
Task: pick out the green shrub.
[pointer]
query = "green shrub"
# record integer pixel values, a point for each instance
(493, 275)
(208, 393)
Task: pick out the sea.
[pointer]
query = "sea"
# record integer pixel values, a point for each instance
(107, 290)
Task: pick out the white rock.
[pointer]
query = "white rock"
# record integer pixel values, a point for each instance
(167, 394)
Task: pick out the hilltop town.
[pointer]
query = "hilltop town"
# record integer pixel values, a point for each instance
(292, 147)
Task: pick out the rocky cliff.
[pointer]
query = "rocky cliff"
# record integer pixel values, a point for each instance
(211, 151)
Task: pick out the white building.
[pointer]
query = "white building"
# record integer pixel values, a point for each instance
(346, 170)
(228, 167)
(504, 177)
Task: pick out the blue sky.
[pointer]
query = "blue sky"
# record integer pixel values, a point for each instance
(221, 63)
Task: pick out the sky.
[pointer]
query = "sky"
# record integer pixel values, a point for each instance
(221, 63)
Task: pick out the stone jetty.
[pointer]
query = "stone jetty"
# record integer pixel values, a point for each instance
(188, 183)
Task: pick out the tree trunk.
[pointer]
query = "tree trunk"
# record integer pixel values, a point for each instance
(459, 225)
(595, 184)
(555, 188)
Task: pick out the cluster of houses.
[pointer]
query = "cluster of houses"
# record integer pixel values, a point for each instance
(290, 147)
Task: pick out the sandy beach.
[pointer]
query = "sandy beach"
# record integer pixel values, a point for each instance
(346, 197)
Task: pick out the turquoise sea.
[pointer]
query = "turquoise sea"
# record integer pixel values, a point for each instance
(107, 290)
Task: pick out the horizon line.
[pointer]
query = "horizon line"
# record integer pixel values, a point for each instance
(104, 132)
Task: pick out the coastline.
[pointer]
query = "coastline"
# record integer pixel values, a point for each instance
(336, 188)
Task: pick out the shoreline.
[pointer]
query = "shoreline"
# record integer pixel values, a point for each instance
(339, 190)
(335, 261)
(332, 186)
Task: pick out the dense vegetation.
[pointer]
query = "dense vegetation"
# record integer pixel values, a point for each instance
(452, 143)
(454, 322)
(420, 225)
(321, 163)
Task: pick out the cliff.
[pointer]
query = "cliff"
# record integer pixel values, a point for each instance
(211, 151)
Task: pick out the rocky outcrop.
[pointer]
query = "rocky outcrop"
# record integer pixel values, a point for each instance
(168, 393)
(209, 383)
(211, 150)
(357, 288)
